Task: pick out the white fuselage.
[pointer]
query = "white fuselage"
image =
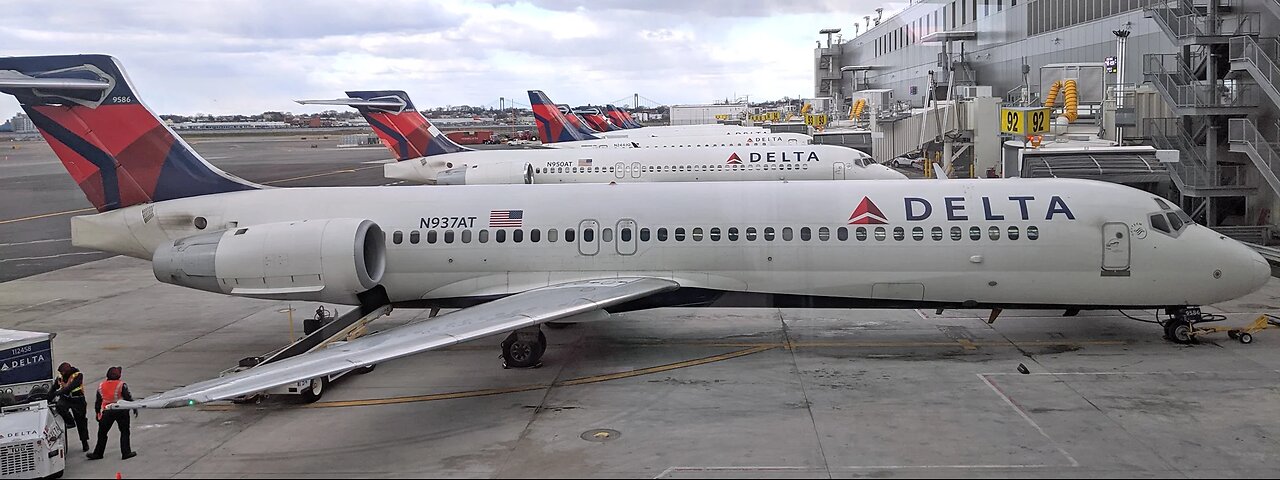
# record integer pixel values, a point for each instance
(1014, 242)
(682, 131)
(700, 140)
(690, 164)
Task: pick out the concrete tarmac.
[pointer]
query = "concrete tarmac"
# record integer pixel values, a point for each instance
(684, 393)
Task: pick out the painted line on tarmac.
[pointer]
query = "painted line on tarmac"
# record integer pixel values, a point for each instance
(1023, 413)
(46, 215)
(335, 172)
(33, 242)
(525, 388)
(46, 257)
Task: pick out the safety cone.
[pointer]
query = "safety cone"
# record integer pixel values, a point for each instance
(119, 476)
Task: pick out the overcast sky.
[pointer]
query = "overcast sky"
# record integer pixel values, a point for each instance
(250, 56)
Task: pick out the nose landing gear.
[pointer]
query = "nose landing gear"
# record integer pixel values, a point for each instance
(1180, 326)
(524, 348)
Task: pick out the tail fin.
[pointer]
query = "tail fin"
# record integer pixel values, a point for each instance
(616, 116)
(626, 117)
(114, 147)
(553, 127)
(596, 119)
(576, 121)
(398, 124)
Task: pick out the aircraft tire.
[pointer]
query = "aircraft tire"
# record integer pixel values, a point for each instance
(517, 353)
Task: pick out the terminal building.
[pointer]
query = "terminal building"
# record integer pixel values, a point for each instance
(1179, 97)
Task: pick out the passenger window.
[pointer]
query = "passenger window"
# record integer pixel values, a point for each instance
(448, 236)
(715, 234)
(551, 235)
(860, 234)
(880, 234)
(697, 234)
(398, 237)
(606, 235)
(500, 236)
(517, 235)
(806, 234)
(679, 235)
(431, 237)
(957, 233)
(568, 235)
(662, 234)
(751, 234)
(975, 233)
(624, 234)
(899, 234)
(787, 234)
(415, 237)
(484, 236)
(1013, 233)
(824, 234)
(535, 235)
(917, 234)
(644, 234)
(466, 236)
(733, 234)
(936, 233)
(768, 234)
(1033, 233)
(588, 235)
(842, 233)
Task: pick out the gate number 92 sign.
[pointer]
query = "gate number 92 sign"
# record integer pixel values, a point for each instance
(1024, 120)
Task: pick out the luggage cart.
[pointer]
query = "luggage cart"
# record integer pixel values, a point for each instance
(1242, 334)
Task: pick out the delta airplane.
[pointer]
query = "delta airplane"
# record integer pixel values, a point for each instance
(512, 257)
(576, 118)
(425, 156)
(555, 131)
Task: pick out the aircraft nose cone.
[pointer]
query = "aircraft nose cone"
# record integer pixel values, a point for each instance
(1261, 270)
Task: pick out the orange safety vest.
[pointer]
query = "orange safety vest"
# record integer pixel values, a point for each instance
(110, 391)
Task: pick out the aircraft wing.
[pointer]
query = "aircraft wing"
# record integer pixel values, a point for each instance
(524, 309)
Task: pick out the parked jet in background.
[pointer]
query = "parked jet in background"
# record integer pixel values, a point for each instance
(516, 256)
(406, 132)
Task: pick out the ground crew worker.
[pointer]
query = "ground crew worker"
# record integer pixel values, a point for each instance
(110, 391)
(70, 403)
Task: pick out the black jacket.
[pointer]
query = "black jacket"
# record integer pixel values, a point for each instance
(77, 380)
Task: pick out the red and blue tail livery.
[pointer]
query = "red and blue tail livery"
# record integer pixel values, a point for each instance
(618, 117)
(553, 127)
(400, 126)
(576, 121)
(114, 147)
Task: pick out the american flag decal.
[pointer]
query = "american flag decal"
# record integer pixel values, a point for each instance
(506, 218)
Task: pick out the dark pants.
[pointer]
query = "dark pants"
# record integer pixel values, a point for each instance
(109, 417)
(72, 410)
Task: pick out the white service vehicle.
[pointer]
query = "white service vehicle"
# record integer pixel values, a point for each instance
(33, 438)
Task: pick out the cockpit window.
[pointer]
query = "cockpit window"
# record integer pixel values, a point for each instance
(1162, 204)
(1158, 222)
(1175, 222)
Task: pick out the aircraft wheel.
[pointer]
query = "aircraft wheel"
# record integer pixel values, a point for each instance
(1180, 332)
(522, 353)
(1246, 338)
(315, 390)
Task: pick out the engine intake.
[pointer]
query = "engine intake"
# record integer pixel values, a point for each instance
(328, 260)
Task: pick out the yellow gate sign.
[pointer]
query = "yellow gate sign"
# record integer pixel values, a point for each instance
(1024, 120)
(815, 121)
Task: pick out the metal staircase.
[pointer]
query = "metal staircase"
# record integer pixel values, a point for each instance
(1243, 137)
(1187, 23)
(1192, 174)
(1188, 95)
(1261, 58)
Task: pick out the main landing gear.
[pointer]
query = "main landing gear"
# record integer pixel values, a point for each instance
(524, 348)
(1180, 325)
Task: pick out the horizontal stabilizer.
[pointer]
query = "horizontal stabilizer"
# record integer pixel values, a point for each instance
(393, 104)
(13, 79)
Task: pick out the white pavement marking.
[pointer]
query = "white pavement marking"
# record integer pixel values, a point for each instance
(759, 469)
(1022, 413)
(389, 160)
(35, 242)
(29, 307)
(45, 257)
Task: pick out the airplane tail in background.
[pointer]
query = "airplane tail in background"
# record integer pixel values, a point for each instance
(118, 151)
(576, 121)
(629, 119)
(553, 127)
(598, 121)
(617, 117)
(397, 123)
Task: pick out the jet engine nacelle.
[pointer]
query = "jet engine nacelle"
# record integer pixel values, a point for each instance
(326, 260)
(493, 173)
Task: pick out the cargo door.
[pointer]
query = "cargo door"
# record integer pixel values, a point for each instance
(589, 237)
(1115, 249)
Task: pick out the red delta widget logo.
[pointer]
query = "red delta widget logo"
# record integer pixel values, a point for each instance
(957, 209)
